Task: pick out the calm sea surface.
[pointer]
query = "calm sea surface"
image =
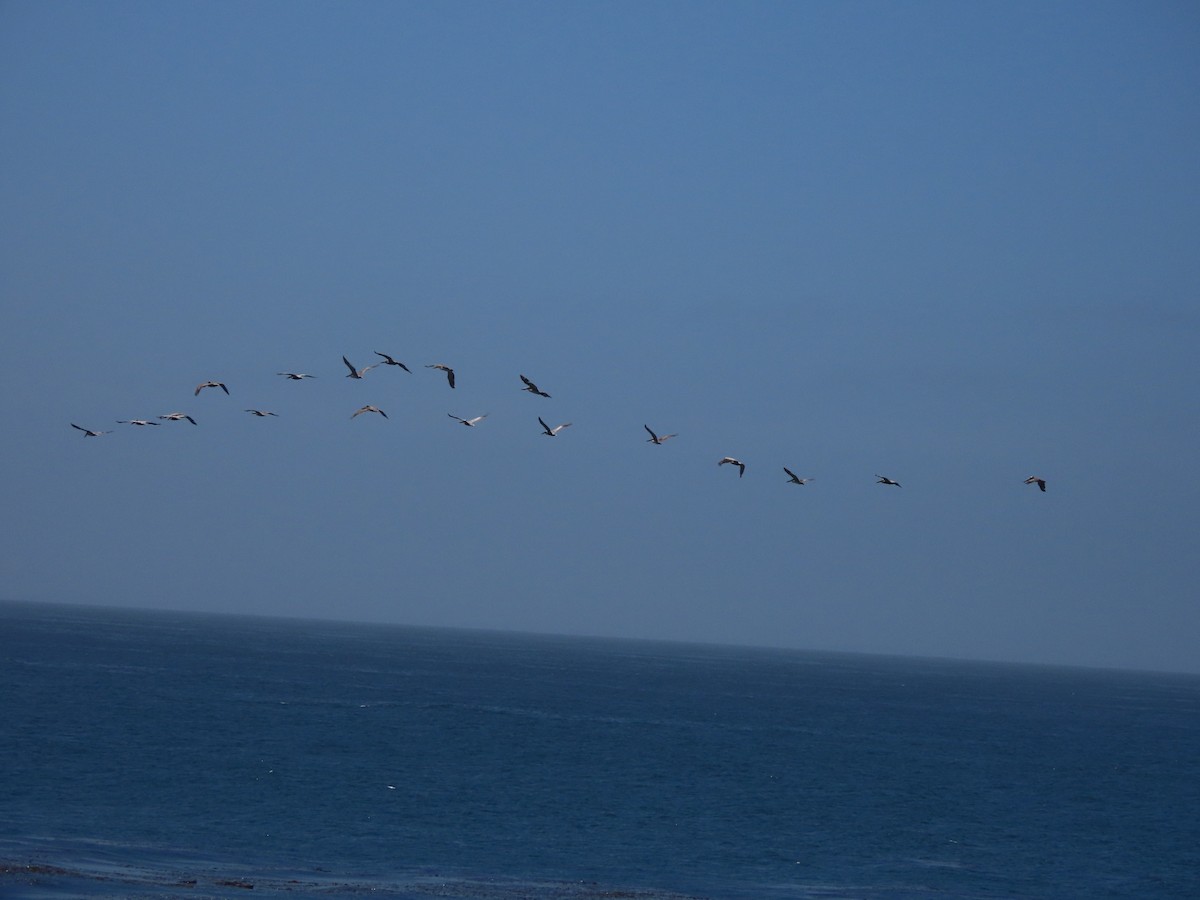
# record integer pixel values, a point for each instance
(173, 755)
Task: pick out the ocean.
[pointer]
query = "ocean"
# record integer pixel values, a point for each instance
(163, 755)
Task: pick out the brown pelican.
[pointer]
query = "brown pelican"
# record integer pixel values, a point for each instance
(885, 480)
(295, 376)
(1040, 482)
(551, 432)
(449, 372)
(208, 384)
(175, 417)
(375, 409)
(656, 439)
(259, 412)
(357, 373)
(470, 423)
(729, 460)
(793, 479)
(87, 432)
(532, 388)
(135, 422)
(388, 361)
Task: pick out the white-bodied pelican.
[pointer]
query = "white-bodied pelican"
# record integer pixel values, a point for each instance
(657, 439)
(552, 432)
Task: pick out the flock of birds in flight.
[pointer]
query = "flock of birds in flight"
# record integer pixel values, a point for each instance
(386, 360)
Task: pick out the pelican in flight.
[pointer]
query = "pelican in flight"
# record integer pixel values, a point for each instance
(729, 460)
(883, 479)
(260, 412)
(176, 417)
(449, 372)
(794, 479)
(470, 423)
(209, 384)
(1040, 482)
(375, 409)
(138, 422)
(532, 388)
(388, 361)
(656, 439)
(87, 432)
(295, 376)
(552, 432)
(357, 373)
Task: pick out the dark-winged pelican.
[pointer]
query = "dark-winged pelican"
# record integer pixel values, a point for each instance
(261, 412)
(138, 422)
(552, 432)
(883, 479)
(374, 409)
(657, 439)
(794, 479)
(357, 373)
(177, 417)
(388, 361)
(730, 461)
(87, 432)
(449, 371)
(470, 423)
(209, 384)
(532, 388)
(1040, 482)
(295, 376)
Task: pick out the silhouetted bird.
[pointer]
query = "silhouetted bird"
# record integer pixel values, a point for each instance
(388, 361)
(551, 432)
(532, 388)
(883, 479)
(1040, 482)
(793, 479)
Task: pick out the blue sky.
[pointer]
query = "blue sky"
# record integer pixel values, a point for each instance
(950, 243)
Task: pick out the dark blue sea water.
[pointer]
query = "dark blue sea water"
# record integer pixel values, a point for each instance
(174, 755)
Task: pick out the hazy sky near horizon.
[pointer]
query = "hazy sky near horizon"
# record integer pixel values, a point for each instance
(955, 244)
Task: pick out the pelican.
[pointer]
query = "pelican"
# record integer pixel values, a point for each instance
(175, 417)
(1040, 482)
(532, 388)
(295, 376)
(793, 479)
(357, 373)
(259, 412)
(552, 432)
(208, 384)
(655, 439)
(87, 432)
(138, 422)
(449, 372)
(388, 361)
(375, 409)
(729, 460)
(883, 479)
(470, 423)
